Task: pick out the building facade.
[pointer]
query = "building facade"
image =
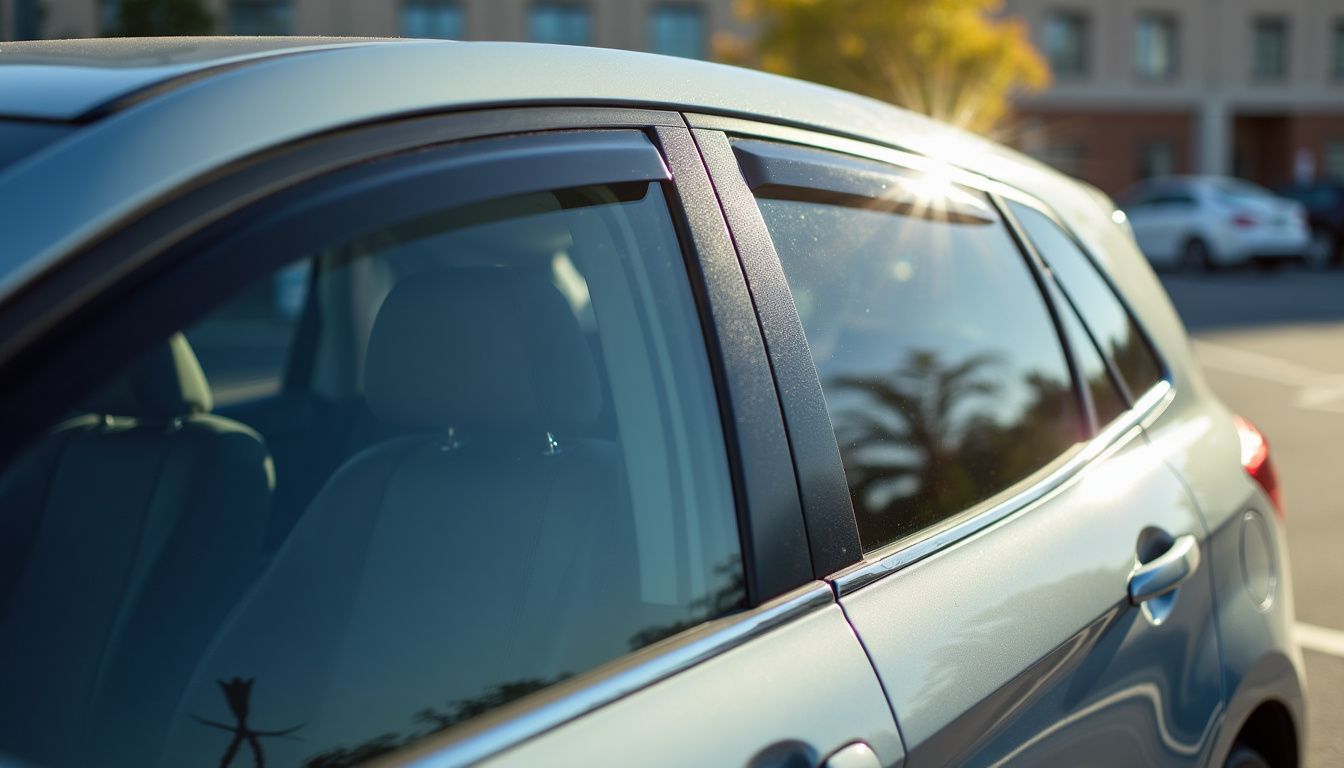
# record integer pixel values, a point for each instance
(1141, 87)
(1253, 88)
(677, 27)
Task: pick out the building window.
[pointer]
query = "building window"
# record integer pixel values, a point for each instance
(1334, 160)
(27, 20)
(1269, 48)
(432, 18)
(1066, 34)
(1337, 51)
(560, 23)
(1155, 47)
(261, 17)
(109, 17)
(678, 29)
(1157, 158)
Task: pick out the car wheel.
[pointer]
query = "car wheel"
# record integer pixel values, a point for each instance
(1320, 251)
(1244, 757)
(1196, 257)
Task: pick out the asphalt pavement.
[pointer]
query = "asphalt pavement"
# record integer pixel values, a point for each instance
(1272, 346)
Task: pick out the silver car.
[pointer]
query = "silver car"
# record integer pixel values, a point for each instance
(435, 404)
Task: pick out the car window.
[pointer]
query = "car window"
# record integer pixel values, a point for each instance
(522, 475)
(1108, 402)
(1106, 318)
(1236, 190)
(941, 367)
(244, 346)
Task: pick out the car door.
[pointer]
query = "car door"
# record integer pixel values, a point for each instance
(1031, 589)
(568, 535)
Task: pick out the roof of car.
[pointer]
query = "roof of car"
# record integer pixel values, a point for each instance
(74, 80)
(160, 113)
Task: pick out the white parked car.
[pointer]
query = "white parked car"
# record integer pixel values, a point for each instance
(1214, 221)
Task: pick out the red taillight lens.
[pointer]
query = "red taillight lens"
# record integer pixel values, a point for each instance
(1255, 460)
(1243, 221)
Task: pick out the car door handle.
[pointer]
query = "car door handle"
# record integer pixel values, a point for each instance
(856, 755)
(1165, 572)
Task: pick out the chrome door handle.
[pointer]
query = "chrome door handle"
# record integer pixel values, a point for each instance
(1165, 572)
(856, 755)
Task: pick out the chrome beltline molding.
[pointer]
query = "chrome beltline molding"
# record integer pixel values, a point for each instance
(896, 556)
(619, 681)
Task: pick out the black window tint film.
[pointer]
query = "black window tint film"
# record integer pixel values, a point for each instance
(942, 370)
(520, 475)
(1110, 324)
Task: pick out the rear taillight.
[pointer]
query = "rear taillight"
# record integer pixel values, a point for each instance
(1243, 221)
(1255, 460)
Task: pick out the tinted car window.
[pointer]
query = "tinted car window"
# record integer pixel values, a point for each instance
(536, 483)
(942, 370)
(1108, 402)
(1106, 318)
(244, 346)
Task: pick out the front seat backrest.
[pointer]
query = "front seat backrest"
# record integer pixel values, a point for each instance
(436, 571)
(133, 529)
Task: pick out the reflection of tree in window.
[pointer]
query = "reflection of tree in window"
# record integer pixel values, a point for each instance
(926, 442)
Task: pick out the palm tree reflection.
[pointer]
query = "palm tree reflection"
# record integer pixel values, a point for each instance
(932, 438)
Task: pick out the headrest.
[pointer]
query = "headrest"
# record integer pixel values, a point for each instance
(487, 349)
(167, 382)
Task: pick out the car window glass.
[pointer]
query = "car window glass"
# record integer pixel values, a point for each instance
(244, 346)
(1106, 318)
(1108, 403)
(942, 371)
(524, 477)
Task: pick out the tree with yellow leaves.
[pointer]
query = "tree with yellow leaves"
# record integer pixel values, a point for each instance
(956, 60)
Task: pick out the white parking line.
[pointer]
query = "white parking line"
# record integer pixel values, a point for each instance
(1320, 639)
(1316, 390)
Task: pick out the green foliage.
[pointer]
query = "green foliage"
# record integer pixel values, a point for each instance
(160, 18)
(956, 60)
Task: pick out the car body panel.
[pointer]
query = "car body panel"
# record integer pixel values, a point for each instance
(72, 81)
(1057, 667)
(803, 690)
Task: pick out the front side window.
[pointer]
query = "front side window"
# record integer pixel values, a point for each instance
(678, 29)
(516, 473)
(261, 17)
(1066, 43)
(1114, 331)
(560, 23)
(1269, 48)
(432, 19)
(943, 373)
(1155, 47)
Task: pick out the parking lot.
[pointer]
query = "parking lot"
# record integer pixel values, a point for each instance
(1272, 345)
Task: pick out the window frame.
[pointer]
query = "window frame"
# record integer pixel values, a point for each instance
(1262, 24)
(823, 487)
(1150, 22)
(51, 324)
(1078, 20)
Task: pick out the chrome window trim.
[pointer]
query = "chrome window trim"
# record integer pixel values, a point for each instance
(901, 554)
(498, 731)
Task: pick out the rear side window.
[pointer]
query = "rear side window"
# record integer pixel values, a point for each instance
(1114, 330)
(518, 473)
(942, 370)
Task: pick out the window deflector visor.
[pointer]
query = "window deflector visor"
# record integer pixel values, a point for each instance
(783, 172)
